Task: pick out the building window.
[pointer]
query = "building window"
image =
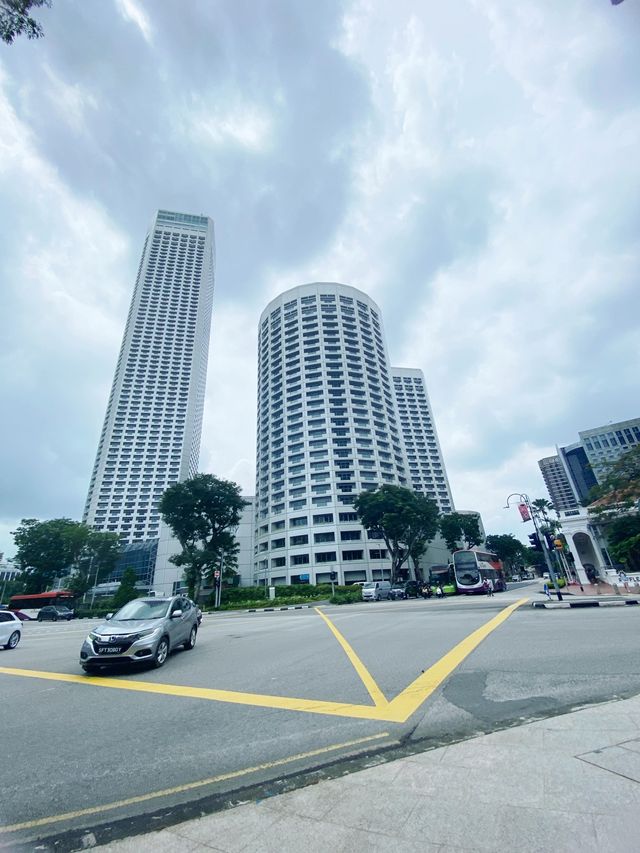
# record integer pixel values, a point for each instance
(325, 557)
(324, 537)
(352, 555)
(299, 540)
(300, 521)
(350, 535)
(300, 560)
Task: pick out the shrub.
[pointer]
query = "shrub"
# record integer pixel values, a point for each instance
(346, 596)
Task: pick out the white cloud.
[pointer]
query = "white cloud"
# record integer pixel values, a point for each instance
(472, 166)
(132, 11)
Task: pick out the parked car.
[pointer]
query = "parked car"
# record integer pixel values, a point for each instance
(397, 592)
(375, 590)
(412, 589)
(10, 629)
(54, 613)
(144, 631)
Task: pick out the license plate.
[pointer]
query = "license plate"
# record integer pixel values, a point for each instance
(112, 651)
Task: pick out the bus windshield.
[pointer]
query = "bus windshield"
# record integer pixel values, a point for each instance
(466, 566)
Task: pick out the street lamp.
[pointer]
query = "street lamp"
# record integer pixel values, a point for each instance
(524, 499)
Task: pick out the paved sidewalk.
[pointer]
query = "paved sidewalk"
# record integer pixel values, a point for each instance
(567, 783)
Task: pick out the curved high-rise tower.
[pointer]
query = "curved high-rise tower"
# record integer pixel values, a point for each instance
(327, 429)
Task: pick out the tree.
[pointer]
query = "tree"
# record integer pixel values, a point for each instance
(507, 548)
(460, 530)
(15, 20)
(203, 513)
(60, 547)
(615, 504)
(127, 590)
(402, 517)
(48, 550)
(96, 561)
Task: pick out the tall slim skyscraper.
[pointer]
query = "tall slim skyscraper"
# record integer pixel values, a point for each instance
(327, 430)
(427, 471)
(151, 433)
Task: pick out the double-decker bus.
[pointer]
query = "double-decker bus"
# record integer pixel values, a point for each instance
(31, 604)
(471, 567)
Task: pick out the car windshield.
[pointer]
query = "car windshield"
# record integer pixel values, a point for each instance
(369, 586)
(141, 609)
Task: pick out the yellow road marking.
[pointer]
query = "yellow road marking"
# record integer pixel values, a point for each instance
(365, 676)
(189, 786)
(412, 697)
(397, 711)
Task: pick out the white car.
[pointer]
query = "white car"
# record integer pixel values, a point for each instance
(10, 629)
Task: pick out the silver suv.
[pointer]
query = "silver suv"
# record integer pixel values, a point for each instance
(143, 631)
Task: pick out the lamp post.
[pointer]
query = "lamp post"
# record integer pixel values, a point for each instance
(524, 499)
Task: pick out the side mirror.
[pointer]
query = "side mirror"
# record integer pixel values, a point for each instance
(108, 616)
(176, 614)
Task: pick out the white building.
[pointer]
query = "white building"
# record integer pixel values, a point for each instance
(151, 433)
(168, 577)
(327, 429)
(610, 442)
(426, 469)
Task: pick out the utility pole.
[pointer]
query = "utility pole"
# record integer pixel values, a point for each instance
(524, 499)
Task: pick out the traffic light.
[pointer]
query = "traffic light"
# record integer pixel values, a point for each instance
(549, 538)
(534, 541)
(333, 576)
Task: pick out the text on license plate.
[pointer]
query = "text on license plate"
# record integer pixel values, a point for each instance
(111, 651)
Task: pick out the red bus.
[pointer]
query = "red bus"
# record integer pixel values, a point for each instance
(30, 604)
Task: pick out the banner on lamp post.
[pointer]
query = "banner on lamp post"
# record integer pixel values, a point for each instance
(523, 509)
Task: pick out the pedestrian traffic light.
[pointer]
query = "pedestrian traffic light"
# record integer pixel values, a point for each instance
(333, 576)
(534, 541)
(549, 539)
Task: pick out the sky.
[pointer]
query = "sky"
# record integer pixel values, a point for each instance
(471, 165)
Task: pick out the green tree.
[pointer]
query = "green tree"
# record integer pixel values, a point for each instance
(507, 548)
(460, 530)
(127, 590)
(96, 561)
(16, 21)
(48, 550)
(203, 514)
(402, 517)
(615, 504)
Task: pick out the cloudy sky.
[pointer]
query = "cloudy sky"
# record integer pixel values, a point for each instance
(473, 165)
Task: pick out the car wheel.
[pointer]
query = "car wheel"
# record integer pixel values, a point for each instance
(39, 618)
(190, 643)
(54, 618)
(14, 639)
(162, 653)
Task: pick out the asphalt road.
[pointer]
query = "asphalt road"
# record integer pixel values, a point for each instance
(84, 748)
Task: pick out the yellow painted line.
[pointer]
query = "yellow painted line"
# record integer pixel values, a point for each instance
(314, 706)
(412, 697)
(189, 786)
(397, 711)
(367, 679)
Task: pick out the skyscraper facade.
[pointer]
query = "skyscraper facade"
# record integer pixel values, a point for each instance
(559, 486)
(327, 429)
(151, 433)
(608, 443)
(426, 469)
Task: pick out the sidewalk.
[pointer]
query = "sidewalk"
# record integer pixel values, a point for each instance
(567, 783)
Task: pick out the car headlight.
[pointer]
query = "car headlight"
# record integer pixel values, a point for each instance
(93, 636)
(148, 632)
